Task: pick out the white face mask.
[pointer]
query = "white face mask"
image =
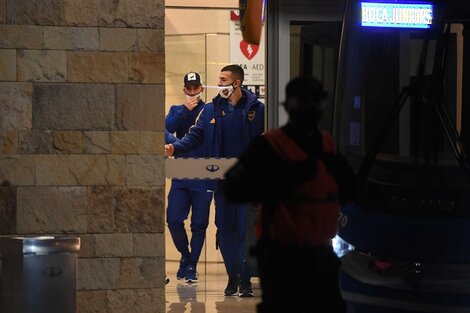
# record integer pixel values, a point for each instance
(198, 96)
(226, 91)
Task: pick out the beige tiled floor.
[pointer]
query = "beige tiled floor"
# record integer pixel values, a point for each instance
(206, 296)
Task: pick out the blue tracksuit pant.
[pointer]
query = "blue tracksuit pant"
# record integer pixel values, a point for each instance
(230, 219)
(183, 197)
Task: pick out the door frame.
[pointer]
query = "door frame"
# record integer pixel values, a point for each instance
(280, 14)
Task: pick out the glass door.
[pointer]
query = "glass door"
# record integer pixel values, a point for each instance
(314, 51)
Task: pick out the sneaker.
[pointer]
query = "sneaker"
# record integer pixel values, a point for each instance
(232, 287)
(182, 270)
(191, 274)
(245, 289)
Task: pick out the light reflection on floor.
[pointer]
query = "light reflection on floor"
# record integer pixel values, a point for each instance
(206, 296)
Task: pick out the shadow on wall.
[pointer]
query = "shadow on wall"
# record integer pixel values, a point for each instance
(7, 208)
(7, 213)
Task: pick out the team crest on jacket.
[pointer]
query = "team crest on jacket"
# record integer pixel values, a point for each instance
(251, 115)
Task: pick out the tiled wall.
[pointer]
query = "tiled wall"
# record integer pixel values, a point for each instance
(82, 105)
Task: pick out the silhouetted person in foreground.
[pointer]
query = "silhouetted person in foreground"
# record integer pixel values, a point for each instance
(294, 174)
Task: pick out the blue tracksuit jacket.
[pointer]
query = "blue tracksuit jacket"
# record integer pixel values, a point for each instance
(178, 121)
(207, 132)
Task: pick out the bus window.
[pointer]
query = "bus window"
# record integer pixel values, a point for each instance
(399, 113)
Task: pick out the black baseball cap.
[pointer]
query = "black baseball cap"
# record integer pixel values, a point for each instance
(192, 78)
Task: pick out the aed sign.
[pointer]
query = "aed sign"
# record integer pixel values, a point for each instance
(396, 15)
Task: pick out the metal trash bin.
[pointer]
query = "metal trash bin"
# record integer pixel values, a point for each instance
(39, 274)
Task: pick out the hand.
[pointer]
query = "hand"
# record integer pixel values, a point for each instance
(169, 150)
(191, 103)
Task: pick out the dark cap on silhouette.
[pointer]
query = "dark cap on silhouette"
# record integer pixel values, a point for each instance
(306, 89)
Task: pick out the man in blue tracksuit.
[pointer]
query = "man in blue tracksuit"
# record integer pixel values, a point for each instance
(224, 129)
(186, 194)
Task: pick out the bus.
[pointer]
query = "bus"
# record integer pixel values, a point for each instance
(402, 118)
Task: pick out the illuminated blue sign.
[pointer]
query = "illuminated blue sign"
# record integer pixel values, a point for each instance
(396, 15)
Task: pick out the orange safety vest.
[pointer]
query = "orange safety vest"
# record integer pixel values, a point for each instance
(310, 217)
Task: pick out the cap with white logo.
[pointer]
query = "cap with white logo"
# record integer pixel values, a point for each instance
(192, 78)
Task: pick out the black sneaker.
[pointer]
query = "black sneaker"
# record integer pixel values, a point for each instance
(191, 274)
(245, 289)
(181, 274)
(232, 287)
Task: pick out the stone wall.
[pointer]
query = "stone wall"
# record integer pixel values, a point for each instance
(81, 140)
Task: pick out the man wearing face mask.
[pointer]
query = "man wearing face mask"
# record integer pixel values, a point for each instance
(186, 194)
(224, 129)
